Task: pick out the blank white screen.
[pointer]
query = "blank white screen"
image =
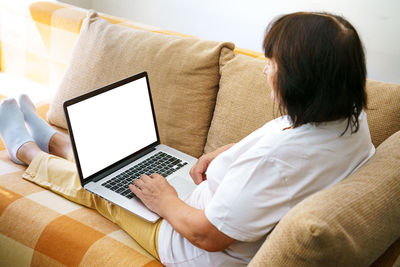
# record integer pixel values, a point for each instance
(112, 125)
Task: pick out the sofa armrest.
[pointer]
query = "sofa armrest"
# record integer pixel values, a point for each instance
(351, 224)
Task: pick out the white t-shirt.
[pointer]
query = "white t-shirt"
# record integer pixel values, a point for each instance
(251, 186)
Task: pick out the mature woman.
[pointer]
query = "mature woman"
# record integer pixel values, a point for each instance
(316, 69)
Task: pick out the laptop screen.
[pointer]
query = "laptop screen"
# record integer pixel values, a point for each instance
(112, 125)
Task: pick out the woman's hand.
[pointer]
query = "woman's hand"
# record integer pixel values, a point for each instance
(159, 196)
(198, 171)
(154, 191)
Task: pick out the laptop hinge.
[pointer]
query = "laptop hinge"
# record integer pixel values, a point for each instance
(122, 164)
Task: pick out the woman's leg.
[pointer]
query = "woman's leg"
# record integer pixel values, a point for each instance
(60, 145)
(46, 137)
(59, 175)
(27, 152)
(21, 147)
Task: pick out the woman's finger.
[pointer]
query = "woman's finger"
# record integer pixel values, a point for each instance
(135, 190)
(138, 182)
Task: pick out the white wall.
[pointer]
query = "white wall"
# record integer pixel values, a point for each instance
(81, 3)
(244, 22)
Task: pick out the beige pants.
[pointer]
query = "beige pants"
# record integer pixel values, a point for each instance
(60, 176)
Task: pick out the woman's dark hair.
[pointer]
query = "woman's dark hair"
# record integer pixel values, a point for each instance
(321, 71)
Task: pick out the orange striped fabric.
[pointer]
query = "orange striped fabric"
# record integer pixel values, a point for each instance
(40, 228)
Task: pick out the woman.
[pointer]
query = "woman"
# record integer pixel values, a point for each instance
(316, 69)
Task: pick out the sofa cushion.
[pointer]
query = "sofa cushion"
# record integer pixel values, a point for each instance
(350, 224)
(244, 104)
(183, 73)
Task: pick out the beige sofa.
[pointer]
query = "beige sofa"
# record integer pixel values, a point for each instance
(206, 94)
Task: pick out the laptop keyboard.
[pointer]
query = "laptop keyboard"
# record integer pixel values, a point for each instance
(161, 163)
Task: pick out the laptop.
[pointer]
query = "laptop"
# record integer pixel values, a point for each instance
(115, 140)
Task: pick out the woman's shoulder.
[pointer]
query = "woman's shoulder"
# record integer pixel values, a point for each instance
(276, 139)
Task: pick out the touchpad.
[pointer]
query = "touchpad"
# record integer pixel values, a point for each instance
(182, 186)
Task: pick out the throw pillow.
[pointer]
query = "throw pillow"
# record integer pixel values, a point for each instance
(183, 74)
(243, 103)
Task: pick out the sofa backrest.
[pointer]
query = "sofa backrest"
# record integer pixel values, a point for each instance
(54, 29)
(244, 104)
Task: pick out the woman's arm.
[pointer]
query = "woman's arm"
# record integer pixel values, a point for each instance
(159, 196)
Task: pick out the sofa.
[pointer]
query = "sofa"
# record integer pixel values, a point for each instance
(206, 94)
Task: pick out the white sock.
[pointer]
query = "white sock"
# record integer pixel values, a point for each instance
(12, 128)
(41, 131)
